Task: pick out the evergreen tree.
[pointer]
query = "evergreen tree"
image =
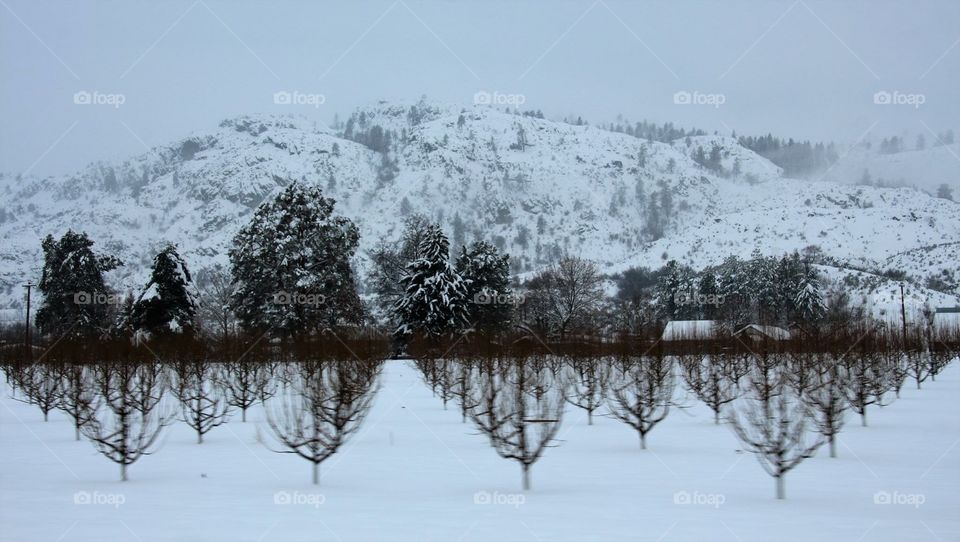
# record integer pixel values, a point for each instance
(761, 277)
(169, 301)
(434, 299)
(291, 265)
(642, 157)
(733, 284)
(674, 291)
(790, 272)
(390, 259)
(76, 301)
(708, 292)
(714, 160)
(808, 302)
(945, 192)
(387, 171)
(486, 274)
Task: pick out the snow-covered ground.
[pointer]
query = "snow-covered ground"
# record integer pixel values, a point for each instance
(415, 472)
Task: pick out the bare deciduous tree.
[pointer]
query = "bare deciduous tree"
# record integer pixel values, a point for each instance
(824, 393)
(203, 404)
(440, 375)
(712, 378)
(463, 387)
(918, 365)
(567, 294)
(939, 359)
(130, 418)
(323, 404)
(40, 385)
(895, 367)
(641, 392)
(586, 379)
(246, 383)
(772, 421)
(215, 286)
(520, 407)
(865, 382)
(78, 399)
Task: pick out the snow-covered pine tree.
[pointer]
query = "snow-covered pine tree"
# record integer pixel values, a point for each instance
(434, 299)
(169, 301)
(707, 289)
(291, 265)
(390, 259)
(486, 273)
(75, 298)
(808, 302)
(790, 272)
(762, 286)
(674, 290)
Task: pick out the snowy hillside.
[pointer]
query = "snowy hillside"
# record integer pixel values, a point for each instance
(534, 187)
(925, 169)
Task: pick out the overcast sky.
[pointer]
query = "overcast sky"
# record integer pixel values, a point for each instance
(803, 69)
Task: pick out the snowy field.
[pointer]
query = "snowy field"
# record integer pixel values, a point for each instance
(415, 472)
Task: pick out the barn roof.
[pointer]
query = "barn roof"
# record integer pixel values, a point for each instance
(680, 330)
(772, 332)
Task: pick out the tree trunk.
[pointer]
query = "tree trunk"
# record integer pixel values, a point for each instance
(863, 417)
(243, 415)
(833, 445)
(123, 472)
(45, 413)
(316, 474)
(199, 437)
(526, 477)
(716, 417)
(781, 488)
(589, 417)
(643, 441)
(76, 431)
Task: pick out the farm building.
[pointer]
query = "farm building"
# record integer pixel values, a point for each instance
(758, 332)
(947, 319)
(690, 330)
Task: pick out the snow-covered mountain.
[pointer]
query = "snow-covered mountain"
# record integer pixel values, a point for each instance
(534, 187)
(925, 169)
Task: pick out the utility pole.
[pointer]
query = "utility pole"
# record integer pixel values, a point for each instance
(26, 340)
(903, 316)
